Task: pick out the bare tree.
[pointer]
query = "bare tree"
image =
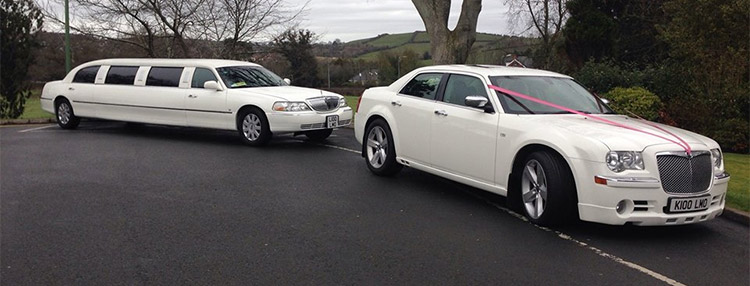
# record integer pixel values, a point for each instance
(544, 17)
(449, 47)
(167, 28)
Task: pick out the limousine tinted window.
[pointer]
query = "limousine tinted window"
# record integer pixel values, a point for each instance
(121, 75)
(201, 76)
(162, 76)
(86, 75)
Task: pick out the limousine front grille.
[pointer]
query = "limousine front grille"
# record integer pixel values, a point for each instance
(322, 125)
(683, 174)
(324, 103)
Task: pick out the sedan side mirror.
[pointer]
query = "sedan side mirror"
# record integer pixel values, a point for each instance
(288, 81)
(606, 101)
(475, 101)
(212, 84)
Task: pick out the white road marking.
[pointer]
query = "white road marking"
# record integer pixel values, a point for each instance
(37, 128)
(561, 235)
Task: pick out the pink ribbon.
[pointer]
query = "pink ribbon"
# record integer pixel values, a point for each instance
(681, 142)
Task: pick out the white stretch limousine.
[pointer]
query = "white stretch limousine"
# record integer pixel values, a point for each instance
(219, 94)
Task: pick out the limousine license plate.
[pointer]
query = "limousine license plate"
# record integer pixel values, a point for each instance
(679, 205)
(332, 121)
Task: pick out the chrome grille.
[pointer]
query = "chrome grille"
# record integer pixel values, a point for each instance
(324, 103)
(683, 174)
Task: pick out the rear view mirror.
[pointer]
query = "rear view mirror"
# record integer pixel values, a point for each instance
(475, 101)
(212, 84)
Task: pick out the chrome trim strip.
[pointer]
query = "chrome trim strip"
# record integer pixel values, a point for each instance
(645, 180)
(683, 153)
(723, 175)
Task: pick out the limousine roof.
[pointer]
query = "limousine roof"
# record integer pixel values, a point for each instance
(170, 62)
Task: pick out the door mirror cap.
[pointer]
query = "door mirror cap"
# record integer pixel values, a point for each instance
(288, 81)
(212, 84)
(476, 101)
(606, 101)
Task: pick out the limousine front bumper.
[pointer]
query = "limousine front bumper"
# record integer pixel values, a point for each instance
(286, 122)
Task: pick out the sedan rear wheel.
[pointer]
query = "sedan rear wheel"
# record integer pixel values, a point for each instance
(380, 154)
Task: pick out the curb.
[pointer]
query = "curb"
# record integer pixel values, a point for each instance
(737, 216)
(26, 121)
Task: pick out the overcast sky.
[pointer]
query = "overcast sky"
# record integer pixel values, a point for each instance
(356, 19)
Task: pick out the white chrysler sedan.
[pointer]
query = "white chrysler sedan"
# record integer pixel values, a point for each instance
(218, 94)
(541, 139)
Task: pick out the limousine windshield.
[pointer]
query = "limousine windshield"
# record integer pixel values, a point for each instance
(249, 76)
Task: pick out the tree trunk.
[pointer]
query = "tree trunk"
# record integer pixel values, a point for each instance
(449, 47)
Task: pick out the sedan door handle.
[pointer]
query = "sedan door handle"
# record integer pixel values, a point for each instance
(70, 88)
(441, 113)
(396, 103)
(192, 96)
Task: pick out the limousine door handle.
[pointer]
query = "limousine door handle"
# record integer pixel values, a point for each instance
(70, 88)
(396, 103)
(441, 113)
(192, 96)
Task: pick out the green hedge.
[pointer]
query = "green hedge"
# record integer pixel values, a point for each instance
(637, 100)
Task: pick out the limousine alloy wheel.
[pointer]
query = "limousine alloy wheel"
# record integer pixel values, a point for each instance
(253, 127)
(547, 190)
(65, 116)
(379, 150)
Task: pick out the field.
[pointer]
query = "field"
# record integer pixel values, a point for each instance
(738, 166)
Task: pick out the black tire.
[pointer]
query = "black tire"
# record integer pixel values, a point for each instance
(554, 187)
(66, 118)
(252, 126)
(318, 135)
(382, 133)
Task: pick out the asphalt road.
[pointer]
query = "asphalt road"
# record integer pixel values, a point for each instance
(111, 204)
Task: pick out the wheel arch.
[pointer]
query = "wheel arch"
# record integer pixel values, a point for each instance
(244, 108)
(530, 148)
(369, 121)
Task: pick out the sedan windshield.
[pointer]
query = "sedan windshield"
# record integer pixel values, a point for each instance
(561, 91)
(249, 76)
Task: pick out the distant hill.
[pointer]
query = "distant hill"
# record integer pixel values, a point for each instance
(488, 48)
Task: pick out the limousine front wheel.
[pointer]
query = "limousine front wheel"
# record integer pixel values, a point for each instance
(253, 127)
(65, 116)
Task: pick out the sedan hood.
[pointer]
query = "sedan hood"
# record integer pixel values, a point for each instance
(290, 93)
(622, 139)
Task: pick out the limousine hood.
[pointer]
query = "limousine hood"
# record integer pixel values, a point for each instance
(623, 139)
(290, 93)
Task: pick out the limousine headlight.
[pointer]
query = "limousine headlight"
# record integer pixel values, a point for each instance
(619, 161)
(290, 106)
(342, 102)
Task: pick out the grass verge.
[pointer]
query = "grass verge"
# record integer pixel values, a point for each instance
(738, 194)
(351, 101)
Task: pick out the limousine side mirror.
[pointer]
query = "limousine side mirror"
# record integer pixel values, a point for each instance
(212, 84)
(288, 81)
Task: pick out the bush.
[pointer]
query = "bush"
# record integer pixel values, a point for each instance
(601, 77)
(637, 100)
(732, 135)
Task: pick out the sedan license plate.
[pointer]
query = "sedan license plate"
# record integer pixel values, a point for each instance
(332, 121)
(679, 205)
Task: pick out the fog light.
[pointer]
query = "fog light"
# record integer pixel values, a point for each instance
(621, 206)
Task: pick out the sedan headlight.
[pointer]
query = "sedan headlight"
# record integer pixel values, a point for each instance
(290, 106)
(619, 161)
(717, 160)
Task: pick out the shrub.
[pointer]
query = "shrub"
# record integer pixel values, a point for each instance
(732, 135)
(637, 100)
(601, 77)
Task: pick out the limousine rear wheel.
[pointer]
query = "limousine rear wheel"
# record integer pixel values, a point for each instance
(253, 127)
(379, 149)
(546, 189)
(65, 116)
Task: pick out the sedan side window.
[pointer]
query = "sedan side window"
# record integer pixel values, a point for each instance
(201, 76)
(461, 86)
(424, 85)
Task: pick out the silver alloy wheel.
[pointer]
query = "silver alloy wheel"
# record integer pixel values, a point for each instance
(377, 146)
(63, 113)
(534, 189)
(251, 127)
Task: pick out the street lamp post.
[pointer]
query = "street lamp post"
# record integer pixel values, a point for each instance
(67, 38)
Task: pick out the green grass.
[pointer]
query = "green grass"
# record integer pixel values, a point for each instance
(33, 107)
(394, 40)
(738, 166)
(418, 48)
(351, 101)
